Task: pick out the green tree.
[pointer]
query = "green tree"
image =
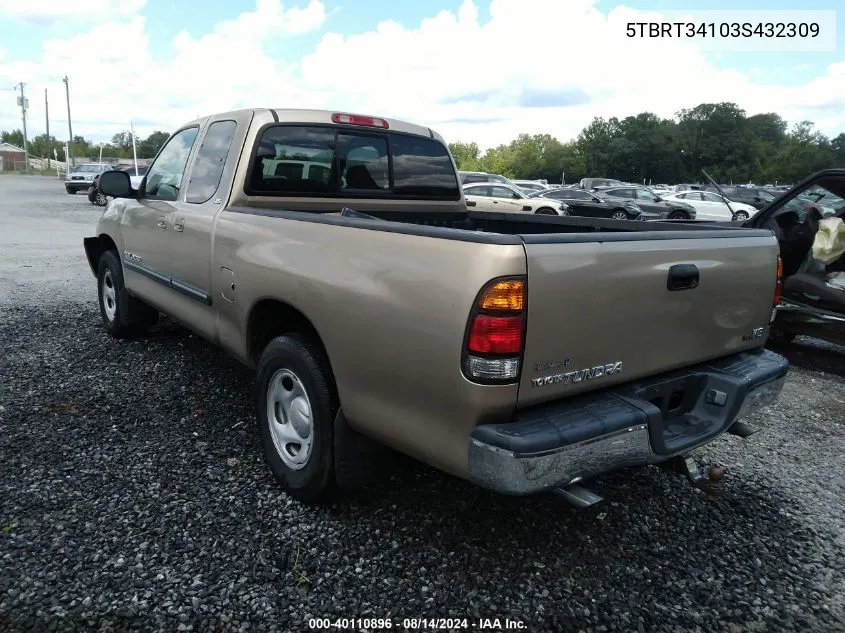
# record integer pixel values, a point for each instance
(837, 145)
(149, 147)
(15, 137)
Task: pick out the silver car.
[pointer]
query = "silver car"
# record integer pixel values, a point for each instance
(81, 177)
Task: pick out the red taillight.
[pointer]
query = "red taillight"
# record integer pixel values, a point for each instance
(779, 282)
(495, 335)
(357, 119)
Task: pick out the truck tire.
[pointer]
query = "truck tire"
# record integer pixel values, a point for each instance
(123, 315)
(296, 405)
(70, 190)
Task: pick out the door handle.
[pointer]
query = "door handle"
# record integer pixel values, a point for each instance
(162, 223)
(179, 224)
(682, 277)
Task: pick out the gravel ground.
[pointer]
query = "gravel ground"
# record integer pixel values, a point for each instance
(133, 497)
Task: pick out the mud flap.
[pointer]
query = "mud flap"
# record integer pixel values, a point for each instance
(358, 460)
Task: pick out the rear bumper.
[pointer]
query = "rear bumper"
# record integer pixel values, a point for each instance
(644, 422)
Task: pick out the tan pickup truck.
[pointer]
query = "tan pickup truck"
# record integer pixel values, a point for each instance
(334, 253)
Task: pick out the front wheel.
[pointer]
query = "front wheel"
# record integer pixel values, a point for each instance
(678, 215)
(619, 215)
(70, 190)
(548, 211)
(741, 216)
(122, 314)
(296, 403)
(100, 199)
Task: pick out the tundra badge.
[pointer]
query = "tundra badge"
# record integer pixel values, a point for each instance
(591, 373)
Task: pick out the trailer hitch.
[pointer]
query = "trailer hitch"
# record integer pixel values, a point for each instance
(709, 479)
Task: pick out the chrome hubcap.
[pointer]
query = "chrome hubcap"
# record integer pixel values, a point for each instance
(619, 216)
(289, 417)
(741, 216)
(109, 296)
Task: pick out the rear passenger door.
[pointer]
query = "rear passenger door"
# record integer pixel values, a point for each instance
(479, 196)
(207, 188)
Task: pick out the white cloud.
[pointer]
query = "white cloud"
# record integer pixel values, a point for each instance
(49, 12)
(470, 79)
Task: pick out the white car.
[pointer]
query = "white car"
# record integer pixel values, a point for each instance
(496, 196)
(530, 186)
(711, 206)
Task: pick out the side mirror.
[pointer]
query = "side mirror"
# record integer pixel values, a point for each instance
(116, 184)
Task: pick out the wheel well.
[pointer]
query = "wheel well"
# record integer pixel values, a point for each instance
(545, 211)
(269, 318)
(94, 249)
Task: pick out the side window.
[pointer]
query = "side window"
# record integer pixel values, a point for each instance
(502, 192)
(711, 197)
(211, 158)
(294, 159)
(478, 191)
(363, 162)
(422, 167)
(165, 176)
(682, 196)
(642, 194)
(621, 193)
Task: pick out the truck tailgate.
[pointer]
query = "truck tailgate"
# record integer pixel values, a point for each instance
(602, 313)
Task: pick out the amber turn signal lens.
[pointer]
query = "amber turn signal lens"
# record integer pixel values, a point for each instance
(506, 295)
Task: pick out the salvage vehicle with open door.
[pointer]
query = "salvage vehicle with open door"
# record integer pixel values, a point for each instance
(809, 223)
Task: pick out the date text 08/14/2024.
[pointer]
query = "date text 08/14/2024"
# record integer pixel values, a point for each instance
(417, 624)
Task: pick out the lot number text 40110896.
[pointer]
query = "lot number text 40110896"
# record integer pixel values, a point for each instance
(417, 624)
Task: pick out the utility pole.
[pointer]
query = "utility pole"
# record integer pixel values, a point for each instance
(23, 105)
(69, 159)
(47, 120)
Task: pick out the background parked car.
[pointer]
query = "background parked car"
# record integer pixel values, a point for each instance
(592, 183)
(531, 186)
(468, 177)
(650, 202)
(495, 196)
(81, 177)
(133, 179)
(712, 206)
(588, 204)
(755, 196)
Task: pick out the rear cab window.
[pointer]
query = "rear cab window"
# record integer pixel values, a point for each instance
(340, 161)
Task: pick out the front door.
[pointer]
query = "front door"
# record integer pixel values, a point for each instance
(504, 200)
(145, 223)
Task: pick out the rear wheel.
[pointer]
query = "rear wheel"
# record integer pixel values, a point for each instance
(122, 314)
(619, 214)
(679, 215)
(296, 404)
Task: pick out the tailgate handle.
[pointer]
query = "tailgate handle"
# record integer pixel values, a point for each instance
(682, 277)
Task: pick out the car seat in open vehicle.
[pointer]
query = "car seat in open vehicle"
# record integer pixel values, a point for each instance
(814, 290)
